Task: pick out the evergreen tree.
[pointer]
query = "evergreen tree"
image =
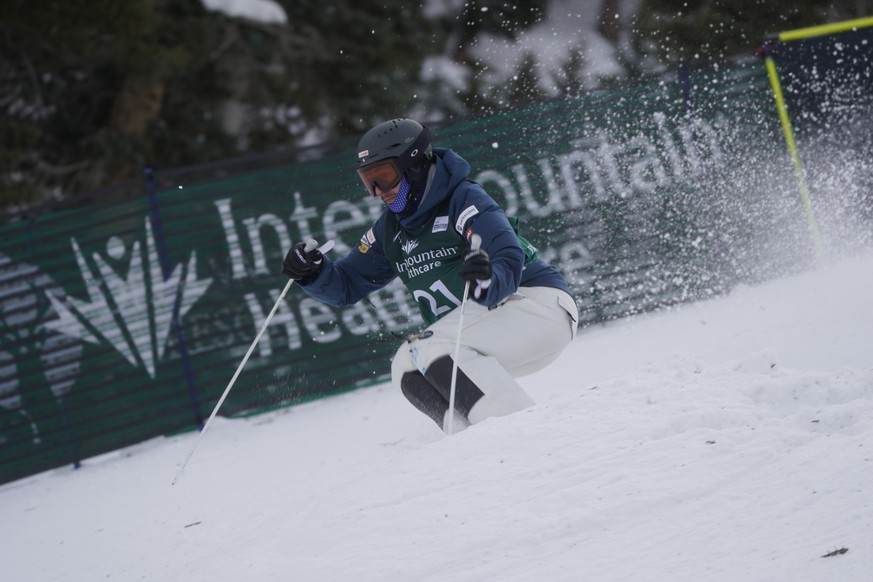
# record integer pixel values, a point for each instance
(81, 80)
(674, 31)
(524, 88)
(96, 90)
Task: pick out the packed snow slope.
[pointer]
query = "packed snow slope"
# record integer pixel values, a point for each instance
(721, 441)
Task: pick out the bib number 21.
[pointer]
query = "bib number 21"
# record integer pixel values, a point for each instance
(437, 300)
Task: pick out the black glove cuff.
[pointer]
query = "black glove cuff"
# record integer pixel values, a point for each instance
(477, 266)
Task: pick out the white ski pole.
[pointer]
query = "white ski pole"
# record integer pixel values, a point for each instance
(475, 243)
(310, 244)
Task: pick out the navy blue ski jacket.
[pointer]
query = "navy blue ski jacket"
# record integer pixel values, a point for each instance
(353, 277)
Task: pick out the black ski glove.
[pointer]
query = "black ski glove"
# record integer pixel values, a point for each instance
(303, 262)
(477, 270)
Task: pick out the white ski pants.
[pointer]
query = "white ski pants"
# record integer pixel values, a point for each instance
(521, 336)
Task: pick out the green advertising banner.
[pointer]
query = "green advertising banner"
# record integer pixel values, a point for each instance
(125, 321)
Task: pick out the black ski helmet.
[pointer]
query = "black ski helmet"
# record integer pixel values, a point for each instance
(391, 150)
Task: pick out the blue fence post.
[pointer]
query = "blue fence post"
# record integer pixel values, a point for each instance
(161, 244)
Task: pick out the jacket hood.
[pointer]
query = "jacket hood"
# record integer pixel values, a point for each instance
(448, 172)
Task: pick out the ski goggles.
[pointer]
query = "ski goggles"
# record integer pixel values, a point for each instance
(385, 174)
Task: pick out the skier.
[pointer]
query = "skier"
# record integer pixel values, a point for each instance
(521, 315)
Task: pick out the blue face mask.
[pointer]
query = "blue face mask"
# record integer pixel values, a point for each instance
(402, 200)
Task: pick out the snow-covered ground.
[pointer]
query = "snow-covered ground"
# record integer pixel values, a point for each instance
(722, 441)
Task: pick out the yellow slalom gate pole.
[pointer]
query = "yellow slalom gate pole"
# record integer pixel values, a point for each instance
(823, 29)
(793, 35)
(795, 158)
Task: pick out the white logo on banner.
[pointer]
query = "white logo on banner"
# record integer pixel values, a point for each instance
(147, 324)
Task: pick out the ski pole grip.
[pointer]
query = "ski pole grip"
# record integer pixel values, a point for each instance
(323, 249)
(475, 242)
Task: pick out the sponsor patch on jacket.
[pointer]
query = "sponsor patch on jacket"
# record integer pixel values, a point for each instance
(440, 224)
(368, 239)
(466, 215)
